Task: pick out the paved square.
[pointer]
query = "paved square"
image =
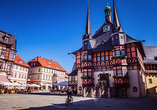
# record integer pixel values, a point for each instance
(46, 101)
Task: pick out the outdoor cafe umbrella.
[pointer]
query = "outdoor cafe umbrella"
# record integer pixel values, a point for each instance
(7, 83)
(65, 83)
(35, 85)
(16, 84)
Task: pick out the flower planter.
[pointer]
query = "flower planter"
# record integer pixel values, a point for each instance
(121, 76)
(86, 77)
(86, 61)
(119, 57)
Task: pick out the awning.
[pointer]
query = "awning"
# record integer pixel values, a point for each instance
(6, 83)
(3, 78)
(65, 83)
(34, 85)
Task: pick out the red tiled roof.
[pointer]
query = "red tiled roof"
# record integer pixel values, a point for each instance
(67, 73)
(3, 78)
(47, 63)
(21, 62)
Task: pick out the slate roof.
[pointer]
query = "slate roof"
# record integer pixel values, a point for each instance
(79, 50)
(151, 53)
(11, 39)
(130, 39)
(20, 61)
(103, 46)
(99, 31)
(47, 63)
(103, 37)
(73, 73)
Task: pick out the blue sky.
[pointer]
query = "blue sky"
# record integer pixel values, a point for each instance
(53, 28)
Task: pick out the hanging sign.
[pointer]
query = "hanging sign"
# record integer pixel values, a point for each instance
(135, 89)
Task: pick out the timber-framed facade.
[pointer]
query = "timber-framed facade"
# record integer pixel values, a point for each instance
(110, 63)
(7, 53)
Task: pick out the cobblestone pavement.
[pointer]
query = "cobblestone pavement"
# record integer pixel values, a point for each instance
(47, 101)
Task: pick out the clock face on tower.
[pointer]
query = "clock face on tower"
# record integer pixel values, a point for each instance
(105, 28)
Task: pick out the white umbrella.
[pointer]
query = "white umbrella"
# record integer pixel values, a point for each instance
(7, 84)
(23, 84)
(35, 85)
(65, 83)
(16, 84)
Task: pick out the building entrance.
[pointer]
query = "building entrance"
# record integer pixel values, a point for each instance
(103, 84)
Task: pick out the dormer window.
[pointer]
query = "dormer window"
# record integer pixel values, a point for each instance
(116, 37)
(6, 39)
(57, 67)
(20, 61)
(49, 62)
(85, 45)
(49, 66)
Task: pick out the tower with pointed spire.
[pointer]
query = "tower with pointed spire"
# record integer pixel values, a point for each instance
(87, 38)
(110, 59)
(118, 36)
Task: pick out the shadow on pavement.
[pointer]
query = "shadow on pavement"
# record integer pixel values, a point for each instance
(73, 106)
(145, 103)
(48, 93)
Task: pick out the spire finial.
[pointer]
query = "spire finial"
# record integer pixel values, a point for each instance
(88, 24)
(107, 4)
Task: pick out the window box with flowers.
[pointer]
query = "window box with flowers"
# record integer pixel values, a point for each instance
(86, 77)
(121, 76)
(86, 61)
(120, 56)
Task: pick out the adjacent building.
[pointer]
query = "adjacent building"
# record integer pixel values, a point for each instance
(19, 71)
(7, 53)
(66, 76)
(45, 72)
(110, 63)
(150, 63)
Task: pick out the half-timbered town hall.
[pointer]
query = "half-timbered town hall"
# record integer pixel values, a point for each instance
(110, 63)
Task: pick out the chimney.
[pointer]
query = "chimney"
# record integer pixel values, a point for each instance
(52, 60)
(40, 56)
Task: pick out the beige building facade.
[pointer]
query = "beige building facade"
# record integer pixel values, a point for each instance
(19, 71)
(45, 72)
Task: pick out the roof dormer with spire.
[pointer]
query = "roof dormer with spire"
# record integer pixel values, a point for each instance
(87, 42)
(118, 36)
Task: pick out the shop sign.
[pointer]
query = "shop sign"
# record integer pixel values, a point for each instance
(30, 79)
(135, 89)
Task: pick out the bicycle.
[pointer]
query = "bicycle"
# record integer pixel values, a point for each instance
(68, 100)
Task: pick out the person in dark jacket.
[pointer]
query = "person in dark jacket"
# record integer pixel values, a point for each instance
(69, 92)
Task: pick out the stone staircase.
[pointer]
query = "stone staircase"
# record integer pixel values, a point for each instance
(99, 91)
